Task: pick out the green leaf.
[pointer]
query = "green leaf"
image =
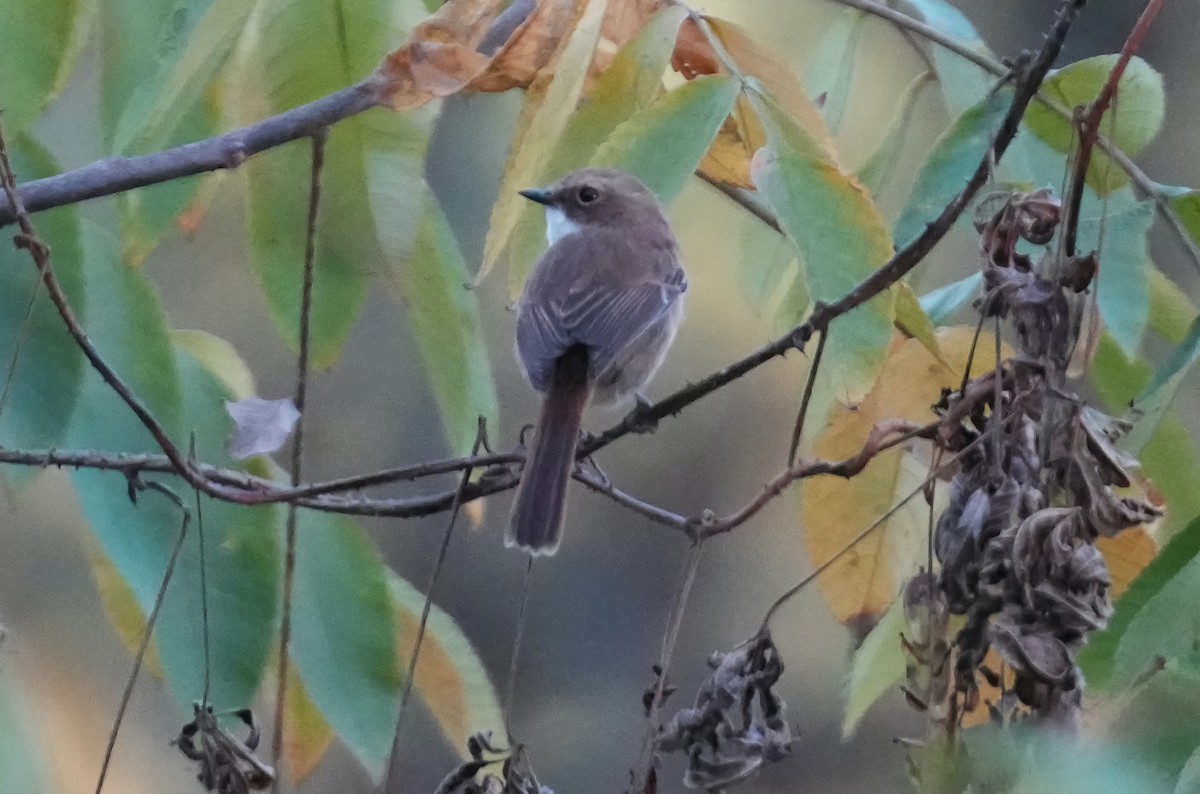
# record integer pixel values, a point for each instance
(765, 261)
(1131, 122)
(450, 677)
(139, 44)
(38, 43)
(445, 319)
(876, 171)
(1171, 311)
(41, 394)
(963, 83)
(1159, 393)
(876, 669)
(310, 48)
(127, 326)
(1186, 203)
(628, 85)
(663, 144)
(941, 304)
(912, 320)
(795, 306)
(549, 103)
(208, 48)
(1169, 458)
(840, 237)
(23, 764)
(1116, 227)
(1098, 657)
(344, 635)
(830, 71)
(1152, 725)
(949, 165)
(1189, 776)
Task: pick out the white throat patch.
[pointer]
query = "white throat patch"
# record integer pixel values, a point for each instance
(558, 225)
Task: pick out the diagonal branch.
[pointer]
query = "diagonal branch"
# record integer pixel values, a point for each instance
(119, 174)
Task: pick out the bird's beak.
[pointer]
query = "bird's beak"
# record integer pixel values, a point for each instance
(538, 195)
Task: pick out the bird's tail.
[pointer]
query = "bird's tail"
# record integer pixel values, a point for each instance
(537, 515)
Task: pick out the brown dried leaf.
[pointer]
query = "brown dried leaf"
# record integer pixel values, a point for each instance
(533, 46)
(440, 56)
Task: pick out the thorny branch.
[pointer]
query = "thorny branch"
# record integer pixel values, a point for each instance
(245, 490)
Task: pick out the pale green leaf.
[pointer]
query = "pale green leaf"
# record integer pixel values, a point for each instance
(310, 48)
(1132, 121)
(963, 83)
(830, 71)
(876, 171)
(344, 635)
(208, 48)
(23, 761)
(548, 108)
(1171, 311)
(444, 315)
(139, 44)
(941, 304)
(840, 237)
(241, 552)
(950, 163)
(912, 320)
(45, 365)
(663, 144)
(1098, 657)
(1189, 776)
(1116, 227)
(765, 262)
(1160, 392)
(876, 669)
(1169, 458)
(38, 43)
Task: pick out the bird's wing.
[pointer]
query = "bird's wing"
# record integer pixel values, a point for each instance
(566, 304)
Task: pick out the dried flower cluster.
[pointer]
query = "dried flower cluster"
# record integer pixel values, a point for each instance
(737, 723)
(515, 775)
(228, 765)
(1035, 484)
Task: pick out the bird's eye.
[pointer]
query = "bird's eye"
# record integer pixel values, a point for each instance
(588, 194)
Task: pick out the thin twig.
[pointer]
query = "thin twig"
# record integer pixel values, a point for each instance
(515, 656)
(802, 414)
(430, 587)
(675, 620)
(151, 620)
(301, 400)
(1089, 124)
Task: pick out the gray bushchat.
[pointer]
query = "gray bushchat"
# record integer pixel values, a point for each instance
(598, 313)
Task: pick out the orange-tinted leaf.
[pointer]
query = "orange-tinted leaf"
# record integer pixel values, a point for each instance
(439, 57)
(306, 735)
(834, 511)
(694, 56)
(450, 678)
(1127, 554)
(532, 46)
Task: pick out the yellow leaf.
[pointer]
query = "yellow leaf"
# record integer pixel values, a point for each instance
(834, 511)
(122, 608)
(550, 101)
(220, 359)
(306, 735)
(450, 678)
(1127, 554)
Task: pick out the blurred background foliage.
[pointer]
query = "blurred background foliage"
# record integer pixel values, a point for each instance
(220, 253)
